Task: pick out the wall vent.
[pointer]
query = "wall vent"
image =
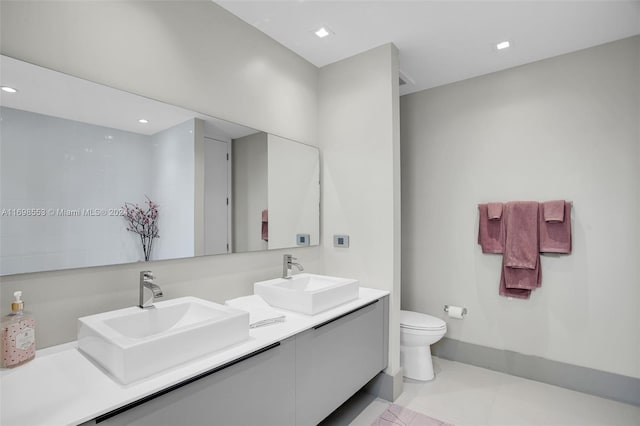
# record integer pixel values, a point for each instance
(404, 79)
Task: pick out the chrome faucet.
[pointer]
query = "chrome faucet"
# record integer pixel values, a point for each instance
(148, 290)
(287, 263)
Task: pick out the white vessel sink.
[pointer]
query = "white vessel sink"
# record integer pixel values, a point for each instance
(134, 343)
(307, 293)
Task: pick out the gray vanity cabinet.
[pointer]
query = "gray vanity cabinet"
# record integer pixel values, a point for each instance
(298, 381)
(337, 358)
(258, 390)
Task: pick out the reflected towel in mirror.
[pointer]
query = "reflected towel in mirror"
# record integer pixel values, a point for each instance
(265, 225)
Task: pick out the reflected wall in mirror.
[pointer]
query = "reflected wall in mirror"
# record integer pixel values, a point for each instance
(73, 152)
(272, 171)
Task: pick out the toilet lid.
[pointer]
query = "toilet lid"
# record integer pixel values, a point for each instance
(418, 321)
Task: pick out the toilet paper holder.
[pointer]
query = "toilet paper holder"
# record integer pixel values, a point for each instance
(464, 310)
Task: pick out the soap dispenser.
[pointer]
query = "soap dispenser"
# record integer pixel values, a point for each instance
(18, 337)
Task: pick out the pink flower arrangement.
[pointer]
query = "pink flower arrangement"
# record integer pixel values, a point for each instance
(144, 223)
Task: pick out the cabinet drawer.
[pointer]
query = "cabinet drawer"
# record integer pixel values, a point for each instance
(256, 391)
(335, 359)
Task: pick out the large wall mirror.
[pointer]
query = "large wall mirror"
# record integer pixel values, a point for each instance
(90, 174)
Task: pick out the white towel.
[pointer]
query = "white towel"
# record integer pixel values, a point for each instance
(260, 313)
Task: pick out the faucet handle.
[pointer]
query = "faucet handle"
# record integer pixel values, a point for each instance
(147, 275)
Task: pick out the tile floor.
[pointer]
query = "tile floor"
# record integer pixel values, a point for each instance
(466, 395)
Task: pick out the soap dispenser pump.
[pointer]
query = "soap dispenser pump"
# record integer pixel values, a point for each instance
(18, 335)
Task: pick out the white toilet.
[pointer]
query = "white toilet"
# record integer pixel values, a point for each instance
(417, 333)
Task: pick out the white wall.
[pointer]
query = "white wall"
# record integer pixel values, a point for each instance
(55, 164)
(359, 140)
(171, 167)
(187, 53)
(563, 128)
(293, 192)
(178, 52)
(76, 166)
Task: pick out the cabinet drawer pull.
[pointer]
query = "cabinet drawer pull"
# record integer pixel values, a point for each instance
(155, 395)
(344, 315)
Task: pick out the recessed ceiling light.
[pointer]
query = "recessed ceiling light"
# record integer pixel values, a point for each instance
(503, 45)
(8, 89)
(143, 121)
(322, 32)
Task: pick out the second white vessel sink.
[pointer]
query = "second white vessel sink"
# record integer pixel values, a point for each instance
(307, 293)
(134, 343)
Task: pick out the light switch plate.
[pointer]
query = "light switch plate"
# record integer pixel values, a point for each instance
(341, 241)
(303, 239)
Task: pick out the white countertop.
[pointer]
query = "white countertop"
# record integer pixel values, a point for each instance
(62, 387)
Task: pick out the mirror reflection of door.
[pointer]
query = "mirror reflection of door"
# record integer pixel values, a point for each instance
(217, 201)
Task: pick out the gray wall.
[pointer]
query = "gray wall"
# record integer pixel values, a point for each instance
(562, 128)
(192, 54)
(358, 134)
(249, 191)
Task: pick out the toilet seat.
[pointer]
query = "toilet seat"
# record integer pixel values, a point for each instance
(417, 321)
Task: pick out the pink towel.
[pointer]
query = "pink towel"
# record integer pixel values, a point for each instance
(265, 225)
(521, 228)
(553, 211)
(512, 292)
(519, 293)
(494, 211)
(520, 278)
(521, 262)
(490, 232)
(555, 237)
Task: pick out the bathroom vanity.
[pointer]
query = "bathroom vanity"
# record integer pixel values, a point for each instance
(294, 372)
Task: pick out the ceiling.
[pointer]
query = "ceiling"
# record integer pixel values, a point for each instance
(441, 42)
